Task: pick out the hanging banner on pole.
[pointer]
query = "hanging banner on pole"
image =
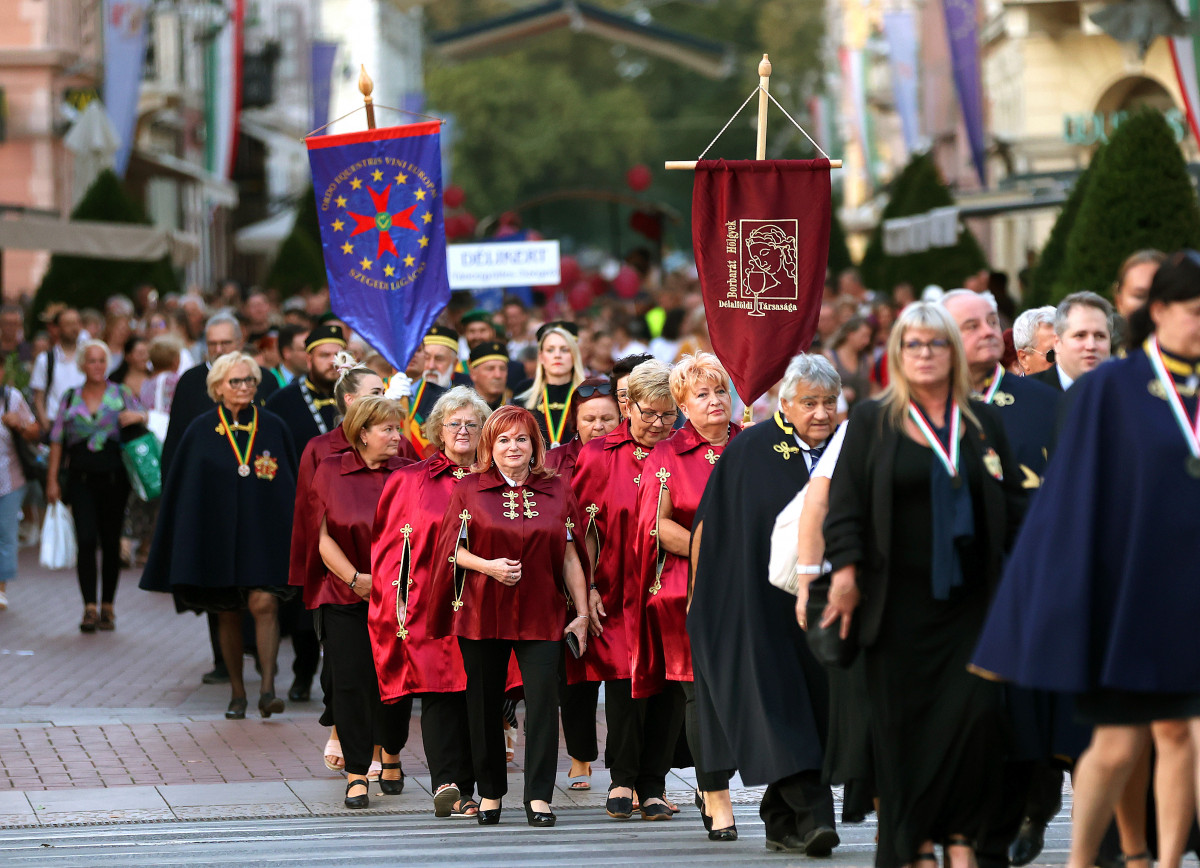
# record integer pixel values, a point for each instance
(962, 31)
(900, 31)
(760, 234)
(124, 61)
(379, 206)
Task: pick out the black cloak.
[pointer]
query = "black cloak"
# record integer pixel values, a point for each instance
(761, 697)
(217, 529)
(289, 405)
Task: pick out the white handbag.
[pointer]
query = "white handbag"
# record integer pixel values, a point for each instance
(58, 538)
(785, 540)
(158, 420)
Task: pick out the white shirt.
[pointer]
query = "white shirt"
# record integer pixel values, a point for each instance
(1063, 379)
(66, 376)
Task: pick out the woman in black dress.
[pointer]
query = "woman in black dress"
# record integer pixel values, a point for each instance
(559, 372)
(923, 505)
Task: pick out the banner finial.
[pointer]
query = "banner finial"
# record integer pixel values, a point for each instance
(366, 87)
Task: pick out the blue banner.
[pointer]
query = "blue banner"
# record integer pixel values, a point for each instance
(379, 204)
(900, 31)
(124, 59)
(324, 53)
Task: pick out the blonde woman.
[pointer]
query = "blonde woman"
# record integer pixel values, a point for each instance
(923, 505)
(559, 371)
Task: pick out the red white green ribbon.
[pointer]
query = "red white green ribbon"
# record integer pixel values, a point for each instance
(997, 376)
(949, 458)
(1191, 431)
(556, 433)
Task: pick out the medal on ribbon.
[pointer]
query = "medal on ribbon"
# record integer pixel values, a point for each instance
(990, 395)
(1190, 428)
(555, 433)
(947, 456)
(243, 459)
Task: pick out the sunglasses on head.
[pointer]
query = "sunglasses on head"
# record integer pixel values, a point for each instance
(589, 391)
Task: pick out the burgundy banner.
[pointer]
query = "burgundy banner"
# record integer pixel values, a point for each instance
(760, 231)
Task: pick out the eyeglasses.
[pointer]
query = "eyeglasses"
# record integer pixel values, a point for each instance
(650, 416)
(589, 391)
(917, 348)
(622, 393)
(471, 427)
(242, 382)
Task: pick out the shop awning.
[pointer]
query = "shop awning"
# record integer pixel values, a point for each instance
(97, 240)
(266, 236)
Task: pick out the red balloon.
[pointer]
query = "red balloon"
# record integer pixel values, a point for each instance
(599, 285)
(569, 270)
(579, 296)
(467, 223)
(638, 178)
(647, 224)
(627, 283)
(454, 196)
(454, 228)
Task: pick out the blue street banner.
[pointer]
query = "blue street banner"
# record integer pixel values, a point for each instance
(124, 59)
(379, 204)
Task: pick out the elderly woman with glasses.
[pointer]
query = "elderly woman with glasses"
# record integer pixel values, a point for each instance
(924, 503)
(641, 732)
(221, 544)
(409, 659)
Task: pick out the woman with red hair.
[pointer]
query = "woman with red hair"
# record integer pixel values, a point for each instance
(513, 574)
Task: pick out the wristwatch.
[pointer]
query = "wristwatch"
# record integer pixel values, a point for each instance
(809, 569)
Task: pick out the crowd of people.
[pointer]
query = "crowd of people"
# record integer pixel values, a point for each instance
(997, 522)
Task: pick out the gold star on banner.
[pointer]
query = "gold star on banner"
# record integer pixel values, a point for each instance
(355, 183)
(347, 247)
(420, 194)
(424, 242)
(401, 178)
(388, 271)
(409, 261)
(365, 265)
(377, 175)
(341, 201)
(425, 218)
(338, 225)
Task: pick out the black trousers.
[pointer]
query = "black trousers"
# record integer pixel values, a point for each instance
(796, 805)
(577, 705)
(642, 734)
(447, 738)
(98, 506)
(363, 721)
(486, 663)
(707, 780)
(299, 622)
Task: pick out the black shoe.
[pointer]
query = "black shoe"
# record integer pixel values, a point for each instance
(391, 788)
(236, 709)
(541, 819)
(821, 841)
(218, 675)
(490, 817)
(655, 812)
(362, 801)
(1028, 844)
(729, 834)
(269, 704)
(704, 817)
(301, 690)
(619, 808)
(786, 844)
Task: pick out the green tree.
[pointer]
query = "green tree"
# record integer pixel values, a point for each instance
(87, 282)
(1139, 196)
(919, 189)
(1044, 286)
(299, 265)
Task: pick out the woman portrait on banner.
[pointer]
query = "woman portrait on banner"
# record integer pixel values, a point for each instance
(559, 372)
(511, 555)
(923, 505)
(86, 441)
(594, 412)
(670, 492)
(409, 659)
(1099, 596)
(221, 544)
(345, 491)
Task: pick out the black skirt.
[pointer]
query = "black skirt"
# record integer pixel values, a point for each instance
(1131, 708)
(232, 598)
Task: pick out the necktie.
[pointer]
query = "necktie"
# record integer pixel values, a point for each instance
(814, 455)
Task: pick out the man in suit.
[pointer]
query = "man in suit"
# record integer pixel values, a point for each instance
(1083, 327)
(1033, 339)
(308, 409)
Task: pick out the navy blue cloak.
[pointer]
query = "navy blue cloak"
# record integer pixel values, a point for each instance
(761, 697)
(289, 405)
(1103, 586)
(1029, 412)
(217, 529)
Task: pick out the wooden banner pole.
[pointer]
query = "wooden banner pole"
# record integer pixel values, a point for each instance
(366, 87)
(764, 85)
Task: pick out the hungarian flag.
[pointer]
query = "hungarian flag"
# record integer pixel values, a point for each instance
(760, 231)
(379, 204)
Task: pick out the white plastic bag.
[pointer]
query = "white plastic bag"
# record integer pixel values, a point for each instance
(58, 538)
(785, 541)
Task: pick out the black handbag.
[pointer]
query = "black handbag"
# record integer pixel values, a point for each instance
(32, 469)
(826, 643)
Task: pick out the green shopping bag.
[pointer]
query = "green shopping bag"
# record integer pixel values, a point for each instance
(142, 457)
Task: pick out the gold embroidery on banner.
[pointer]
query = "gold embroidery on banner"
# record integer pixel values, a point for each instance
(786, 451)
(711, 457)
